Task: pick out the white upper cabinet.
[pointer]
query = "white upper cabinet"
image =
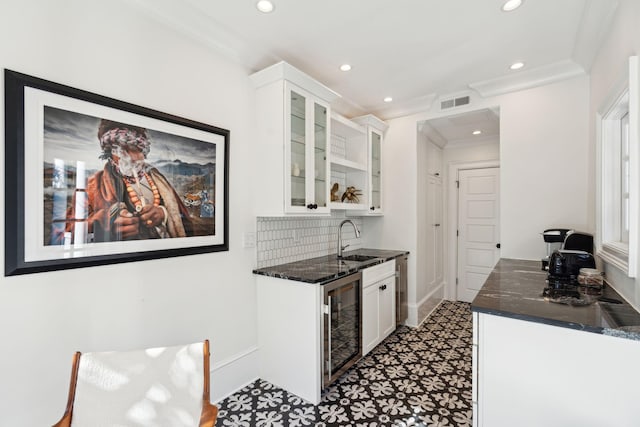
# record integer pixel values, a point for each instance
(306, 153)
(293, 149)
(349, 164)
(375, 129)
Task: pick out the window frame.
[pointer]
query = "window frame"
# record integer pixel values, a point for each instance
(620, 106)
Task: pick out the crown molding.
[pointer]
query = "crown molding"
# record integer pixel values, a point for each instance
(528, 79)
(412, 106)
(285, 71)
(597, 17)
(189, 21)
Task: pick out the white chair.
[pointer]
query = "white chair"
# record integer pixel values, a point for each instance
(156, 387)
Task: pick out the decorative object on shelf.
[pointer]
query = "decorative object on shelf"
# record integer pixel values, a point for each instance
(334, 192)
(93, 180)
(351, 195)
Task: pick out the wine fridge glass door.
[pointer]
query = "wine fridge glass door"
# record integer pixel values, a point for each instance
(342, 327)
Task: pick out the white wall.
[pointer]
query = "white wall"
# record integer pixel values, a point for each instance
(609, 66)
(397, 229)
(543, 159)
(111, 49)
(467, 153)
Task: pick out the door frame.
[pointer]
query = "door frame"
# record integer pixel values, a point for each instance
(451, 270)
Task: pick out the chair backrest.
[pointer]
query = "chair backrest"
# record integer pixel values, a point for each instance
(157, 387)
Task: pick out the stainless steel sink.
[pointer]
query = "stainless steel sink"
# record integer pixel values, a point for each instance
(358, 258)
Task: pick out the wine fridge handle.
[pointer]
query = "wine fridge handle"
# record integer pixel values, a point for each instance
(328, 367)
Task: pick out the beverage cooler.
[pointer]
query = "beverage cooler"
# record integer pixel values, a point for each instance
(342, 326)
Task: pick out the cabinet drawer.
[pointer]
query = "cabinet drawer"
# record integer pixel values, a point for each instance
(378, 272)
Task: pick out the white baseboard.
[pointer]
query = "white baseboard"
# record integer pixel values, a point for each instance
(231, 375)
(421, 310)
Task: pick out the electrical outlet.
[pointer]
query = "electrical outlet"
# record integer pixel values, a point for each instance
(249, 239)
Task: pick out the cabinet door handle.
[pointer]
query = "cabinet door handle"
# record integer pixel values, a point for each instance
(383, 287)
(498, 245)
(436, 225)
(372, 208)
(437, 174)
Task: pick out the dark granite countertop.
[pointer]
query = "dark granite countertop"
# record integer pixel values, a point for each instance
(514, 289)
(325, 269)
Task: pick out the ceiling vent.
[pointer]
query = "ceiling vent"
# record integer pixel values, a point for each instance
(454, 102)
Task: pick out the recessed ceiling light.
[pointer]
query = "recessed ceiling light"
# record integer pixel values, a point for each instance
(476, 132)
(265, 6)
(510, 5)
(345, 67)
(517, 65)
(388, 99)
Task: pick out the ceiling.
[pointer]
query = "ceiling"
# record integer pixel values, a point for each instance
(416, 51)
(458, 129)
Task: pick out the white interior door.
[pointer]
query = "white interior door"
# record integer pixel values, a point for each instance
(478, 229)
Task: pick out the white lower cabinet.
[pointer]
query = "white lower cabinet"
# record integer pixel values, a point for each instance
(378, 304)
(290, 335)
(293, 319)
(533, 374)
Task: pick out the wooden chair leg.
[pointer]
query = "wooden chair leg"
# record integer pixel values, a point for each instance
(65, 421)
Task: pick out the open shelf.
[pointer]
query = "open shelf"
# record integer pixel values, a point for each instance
(343, 165)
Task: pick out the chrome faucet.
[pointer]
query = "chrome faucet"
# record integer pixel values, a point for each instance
(340, 247)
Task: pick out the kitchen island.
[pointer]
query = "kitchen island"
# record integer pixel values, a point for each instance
(537, 362)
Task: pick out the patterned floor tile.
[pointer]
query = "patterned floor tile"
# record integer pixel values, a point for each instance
(416, 377)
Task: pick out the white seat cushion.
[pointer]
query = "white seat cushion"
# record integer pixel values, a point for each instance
(159, 387)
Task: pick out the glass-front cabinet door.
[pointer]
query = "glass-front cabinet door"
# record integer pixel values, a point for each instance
(320, 156)
(306, 171)
(375, 181)
(297, 150)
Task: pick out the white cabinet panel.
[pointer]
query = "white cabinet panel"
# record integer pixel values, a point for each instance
(370, 324)
(531, 374)
(387, 311)
(433, 257)
(378, 304)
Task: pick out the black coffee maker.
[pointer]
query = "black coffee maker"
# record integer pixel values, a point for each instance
(565, 239)
(565, 264)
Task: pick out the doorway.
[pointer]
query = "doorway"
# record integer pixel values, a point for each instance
(478, 229)
(462, 141)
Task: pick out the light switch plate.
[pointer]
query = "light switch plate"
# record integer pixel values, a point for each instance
(249, 239)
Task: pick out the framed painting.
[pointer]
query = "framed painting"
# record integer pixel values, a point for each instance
(91, 180)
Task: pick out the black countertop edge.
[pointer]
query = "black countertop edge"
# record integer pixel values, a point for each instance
(514, 289)
(543, 320)
(326, 269)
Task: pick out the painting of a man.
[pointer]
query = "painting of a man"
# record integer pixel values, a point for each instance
(129, 198)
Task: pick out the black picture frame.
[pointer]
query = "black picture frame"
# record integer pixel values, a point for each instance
(35, 239)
